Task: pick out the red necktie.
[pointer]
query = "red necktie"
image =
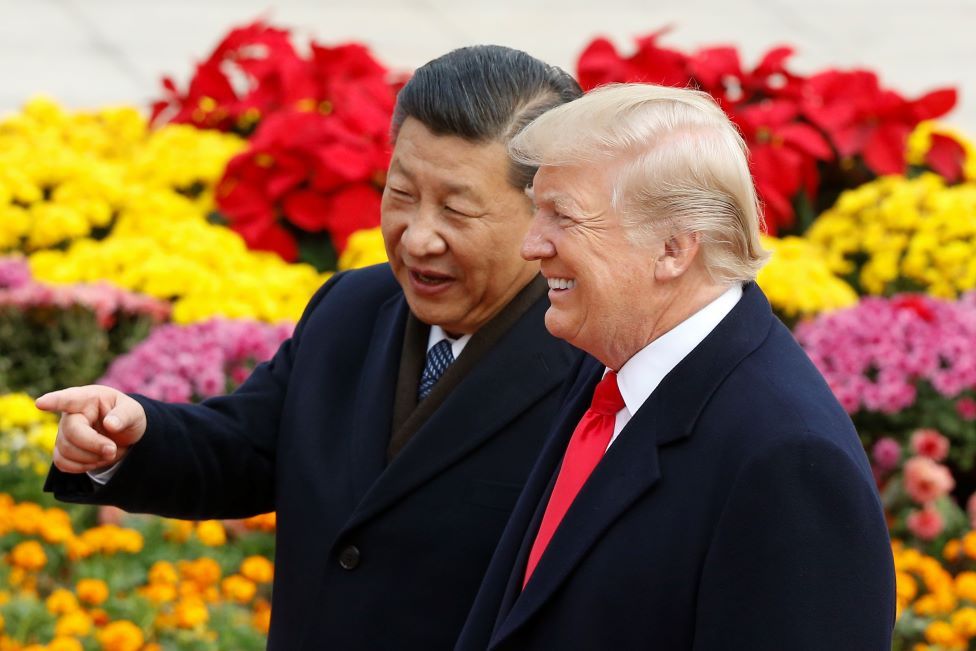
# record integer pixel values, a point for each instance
(585, 449)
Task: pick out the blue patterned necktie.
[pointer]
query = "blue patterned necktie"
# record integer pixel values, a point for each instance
(439, 357)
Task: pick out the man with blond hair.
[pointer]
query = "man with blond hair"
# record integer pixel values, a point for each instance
(702, 488)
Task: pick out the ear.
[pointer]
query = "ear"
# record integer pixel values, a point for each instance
(678, 254)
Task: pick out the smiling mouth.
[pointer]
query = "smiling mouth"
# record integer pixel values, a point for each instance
(561, 284)
(429, 278)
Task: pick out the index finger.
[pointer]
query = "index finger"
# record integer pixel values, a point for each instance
(74, 400)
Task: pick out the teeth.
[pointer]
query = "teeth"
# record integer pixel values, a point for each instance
(561, 283)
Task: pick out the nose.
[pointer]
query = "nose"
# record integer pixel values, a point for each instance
(536, 245)
(421, 237)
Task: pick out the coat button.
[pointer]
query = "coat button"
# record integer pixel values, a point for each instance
(349, 558)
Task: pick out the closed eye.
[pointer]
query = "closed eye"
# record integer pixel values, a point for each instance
(457, 212)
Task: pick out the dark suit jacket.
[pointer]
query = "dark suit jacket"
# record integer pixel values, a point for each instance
(736, 511)
(370, 554)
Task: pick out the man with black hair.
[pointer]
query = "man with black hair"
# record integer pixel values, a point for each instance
(393, 468)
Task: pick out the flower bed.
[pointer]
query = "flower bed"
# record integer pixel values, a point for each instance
(170, 255)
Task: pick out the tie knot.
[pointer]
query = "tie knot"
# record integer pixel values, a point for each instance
(607, 399)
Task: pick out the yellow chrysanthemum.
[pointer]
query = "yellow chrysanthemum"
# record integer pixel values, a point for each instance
(206, 270)
(895, 234)
(363, 248)
(76, 171)
(28, 433)
(798, 281)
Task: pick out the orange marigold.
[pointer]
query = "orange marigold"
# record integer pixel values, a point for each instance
(261, 619)
(92, 591)
(906, 586)
(211, 533)
(943, 634)
(204, 571)
(966, 586)
(969, 544)
(238, 588)
(121, 636)
(77, 623)
(159, 593)
(179, 530)
(258, 568)
(60, 602)
(191, 612)
(964, 621)
(952, 550)
(28, 555)
(163, 572)
(264, 522)
(65, 644)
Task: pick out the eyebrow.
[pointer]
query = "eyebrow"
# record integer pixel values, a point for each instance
(562, 202)
(451, 188)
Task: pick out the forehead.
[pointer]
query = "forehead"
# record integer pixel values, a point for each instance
(578, 188)
(449, 163)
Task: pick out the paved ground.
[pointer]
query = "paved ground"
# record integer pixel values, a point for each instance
(94, 52)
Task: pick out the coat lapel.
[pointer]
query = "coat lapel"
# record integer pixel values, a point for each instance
(531, 363)
(540, 484)
(630, 467)
(374, 395)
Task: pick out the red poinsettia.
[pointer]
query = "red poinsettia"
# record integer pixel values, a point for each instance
(796, 127)
(783, 156)
(946, 157)
(863, 119)
(719, 72)
(304, 172)
(254, 71)
(600, 63)
(319, 145)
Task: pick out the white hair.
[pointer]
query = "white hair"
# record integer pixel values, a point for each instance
(680, 167)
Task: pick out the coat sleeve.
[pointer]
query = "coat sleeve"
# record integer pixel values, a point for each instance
(800, 558)
(215, 459)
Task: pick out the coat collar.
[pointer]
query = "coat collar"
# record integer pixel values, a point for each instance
(630, 467)
(525, 364)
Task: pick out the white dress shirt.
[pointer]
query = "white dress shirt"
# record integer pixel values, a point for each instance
(643, 372)
(457, 345)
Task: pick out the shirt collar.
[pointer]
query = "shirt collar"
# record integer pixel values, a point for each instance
(643, 372)
(457, 345)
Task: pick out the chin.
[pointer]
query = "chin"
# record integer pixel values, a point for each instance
(557, 326)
